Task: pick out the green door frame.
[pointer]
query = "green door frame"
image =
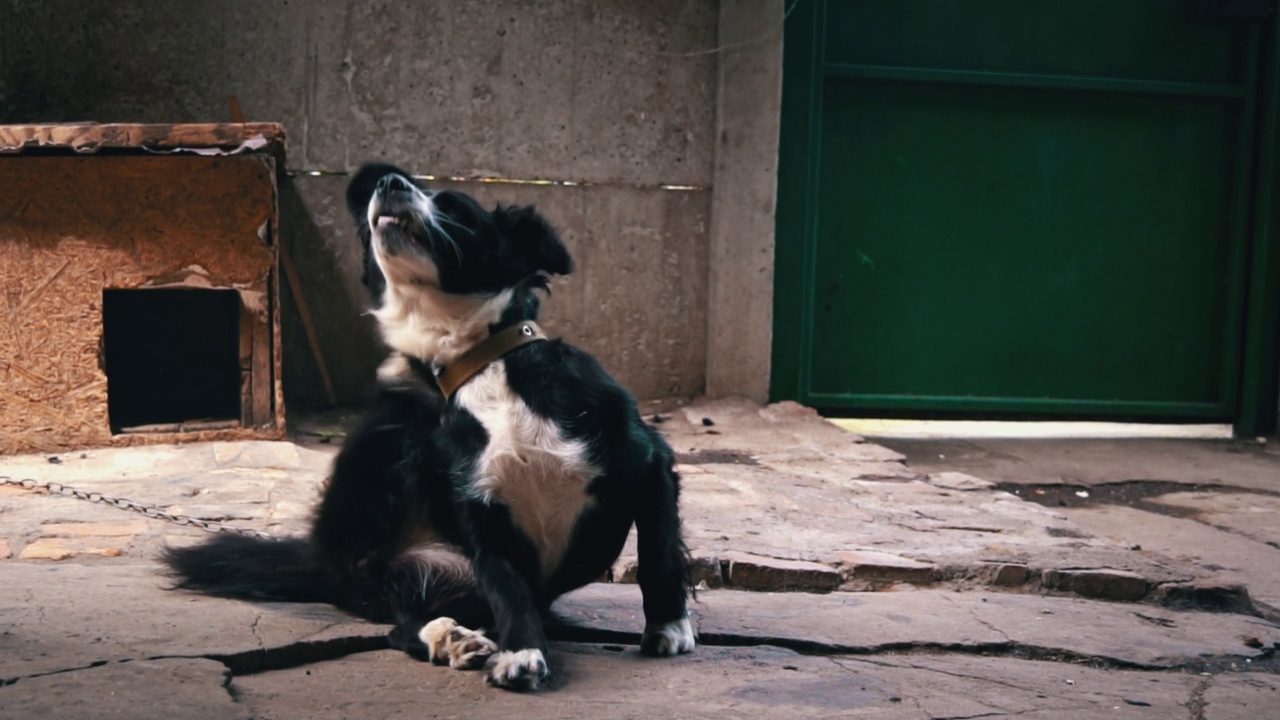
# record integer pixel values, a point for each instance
(1260, 367)
(1254, 378)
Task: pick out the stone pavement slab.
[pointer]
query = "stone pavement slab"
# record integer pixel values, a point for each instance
(604, 681)
(1247, 514)
(166, 689)
(1119, 635)
(777, 483)
(1088, 461)
(774, 496)
(268, 486)
(1239, 697)
(1233, 558)
(63, 616)
(55, 617)
(764, 682)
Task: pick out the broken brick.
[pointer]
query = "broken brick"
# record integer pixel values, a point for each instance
(93, 529)
(1102, 584)
(756, 572)
(1213, 596)
(1007, 575)
(702, 569)
(62, 548)
(869, 566)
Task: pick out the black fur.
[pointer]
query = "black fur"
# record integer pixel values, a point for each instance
(403, 479)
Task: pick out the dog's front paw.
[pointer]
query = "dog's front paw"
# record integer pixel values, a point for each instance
(449, 643)
(518, 669)
(667, 639)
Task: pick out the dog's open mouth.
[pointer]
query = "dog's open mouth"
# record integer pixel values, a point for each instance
(401, 222)
(385, 221)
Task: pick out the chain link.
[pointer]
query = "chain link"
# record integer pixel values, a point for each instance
(151, 511)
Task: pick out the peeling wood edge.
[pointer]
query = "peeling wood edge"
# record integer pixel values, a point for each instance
(273, 293)
(181, 427)
(89, 137)
(199, 138)
(260, 419)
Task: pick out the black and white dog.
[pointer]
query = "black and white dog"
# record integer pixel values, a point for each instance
(478, 487)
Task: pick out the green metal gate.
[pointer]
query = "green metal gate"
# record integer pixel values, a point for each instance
(1002, 207)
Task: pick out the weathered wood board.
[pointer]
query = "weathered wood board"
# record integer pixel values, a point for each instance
(73, 225)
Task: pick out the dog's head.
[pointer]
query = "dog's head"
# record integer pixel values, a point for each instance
(446, 240)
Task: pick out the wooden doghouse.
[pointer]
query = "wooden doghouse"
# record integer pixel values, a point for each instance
(138, 268)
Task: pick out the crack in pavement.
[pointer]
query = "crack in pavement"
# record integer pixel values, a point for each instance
(1121, 491)
(1009, 648)
(248, 662)
(975, 618)
(913, 666)
(1197, 704)
(304, 652)
(295, 654)
(915, 700)
(254, 629)
(227, 677)
(1220, 528)
(5, 682)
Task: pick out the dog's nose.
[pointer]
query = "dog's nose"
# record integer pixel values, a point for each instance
(392, 182)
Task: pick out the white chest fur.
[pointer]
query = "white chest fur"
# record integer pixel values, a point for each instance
(528, 465)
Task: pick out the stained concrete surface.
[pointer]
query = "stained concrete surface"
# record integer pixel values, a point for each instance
(743, 199)
(604, 92)
(759, 682)
(773, 492)
(617, 98)
(1083, 461)
(637, 299)
(1211, 505)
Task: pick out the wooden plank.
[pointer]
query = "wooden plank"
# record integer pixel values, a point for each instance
(90, 137)
(273, 290)
(87, 137)
(122, 222)
(186, 426)
(247, 320)
(261, 371)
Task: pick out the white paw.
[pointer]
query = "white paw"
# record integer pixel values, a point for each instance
(517, 669)
(449, 643)
(668, 639)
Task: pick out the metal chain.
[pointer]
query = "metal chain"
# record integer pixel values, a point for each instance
(151, 511)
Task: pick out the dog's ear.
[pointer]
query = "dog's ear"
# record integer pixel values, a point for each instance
(534, 240)
(363, 183)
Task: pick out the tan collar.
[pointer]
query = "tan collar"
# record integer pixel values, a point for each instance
(484, 352)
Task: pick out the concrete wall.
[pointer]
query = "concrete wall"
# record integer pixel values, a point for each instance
(743, 199)
(613, 94)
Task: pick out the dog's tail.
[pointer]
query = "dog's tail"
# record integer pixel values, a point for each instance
(411, 588)
(250, 567)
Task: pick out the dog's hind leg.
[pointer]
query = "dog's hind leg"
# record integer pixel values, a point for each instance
(371, 502)
(431, 583)
(663, 572)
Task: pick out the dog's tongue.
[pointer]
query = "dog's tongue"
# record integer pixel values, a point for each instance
(385, 220)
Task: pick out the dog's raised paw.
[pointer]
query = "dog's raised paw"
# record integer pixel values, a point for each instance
(435, 635)
(448, 643)
(518, 669)
(667, 639)
(469, 649)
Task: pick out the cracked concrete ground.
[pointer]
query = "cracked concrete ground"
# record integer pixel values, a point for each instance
(843, 578)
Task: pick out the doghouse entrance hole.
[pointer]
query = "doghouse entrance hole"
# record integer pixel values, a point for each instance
(171, 356)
